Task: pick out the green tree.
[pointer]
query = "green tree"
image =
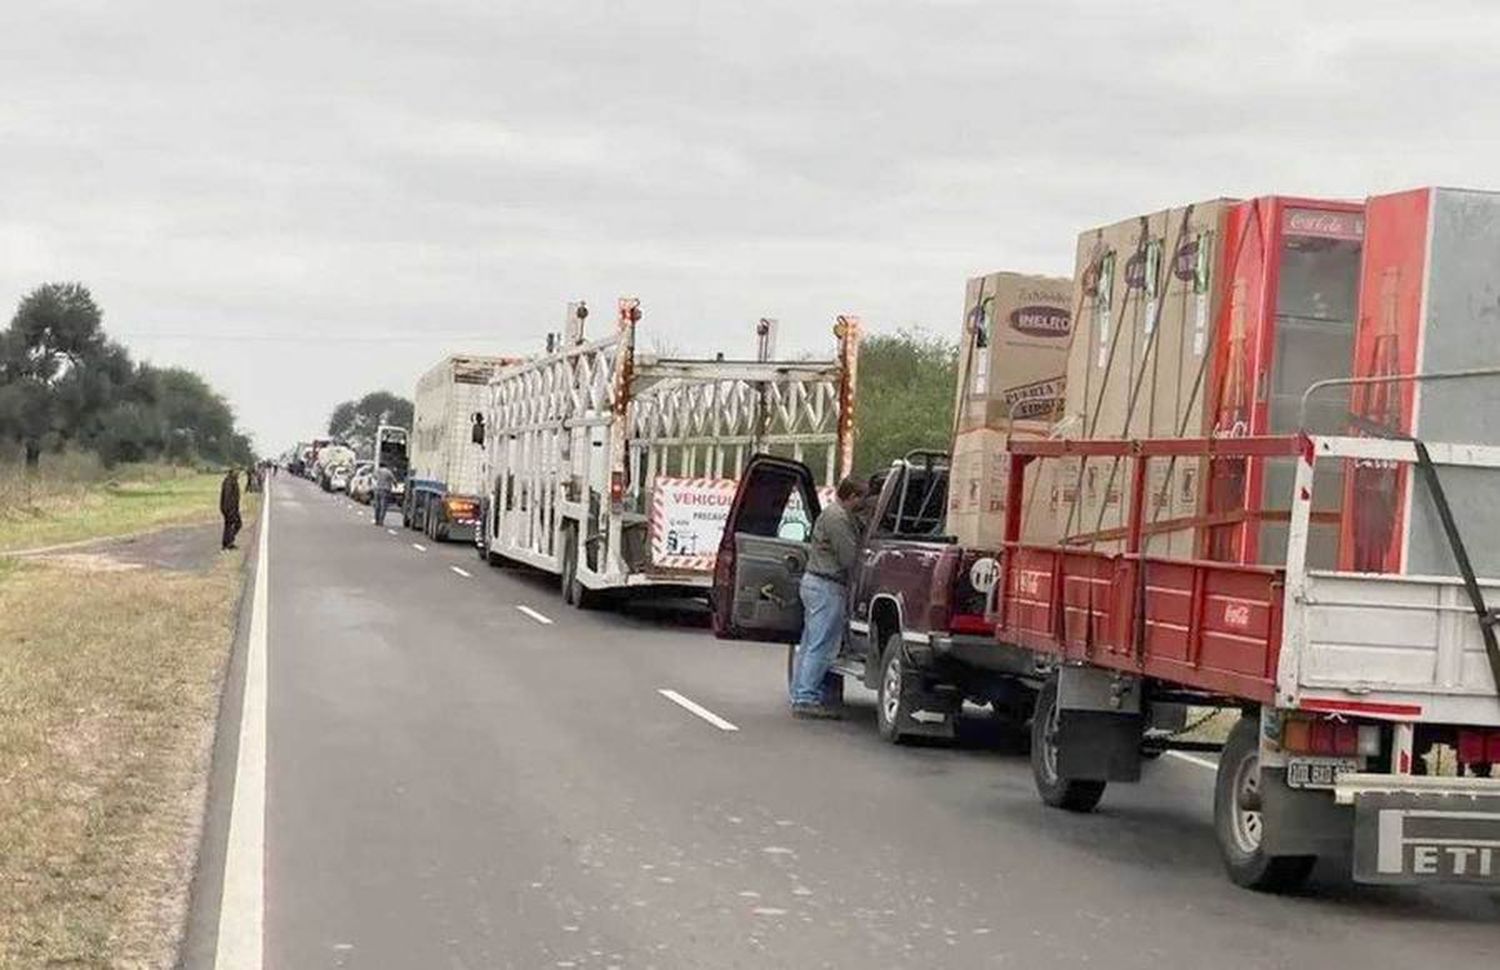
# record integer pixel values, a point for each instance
(354, 422)
(57, 370)
(903, 398)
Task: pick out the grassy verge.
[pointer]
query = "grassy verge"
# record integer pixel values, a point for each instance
(109, 685)
(54, 513)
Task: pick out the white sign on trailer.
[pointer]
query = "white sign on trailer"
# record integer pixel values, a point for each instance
(688, 516)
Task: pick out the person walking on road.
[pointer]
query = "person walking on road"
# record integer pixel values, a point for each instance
(825, 584)
(385, 483)
(229, 507)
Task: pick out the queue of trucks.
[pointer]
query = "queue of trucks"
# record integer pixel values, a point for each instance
(1245, 459)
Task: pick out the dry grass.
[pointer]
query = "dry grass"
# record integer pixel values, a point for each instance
(109, 685)
(72, 500)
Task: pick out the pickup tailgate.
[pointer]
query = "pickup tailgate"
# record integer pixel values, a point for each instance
(973, 580)
(1402, 647)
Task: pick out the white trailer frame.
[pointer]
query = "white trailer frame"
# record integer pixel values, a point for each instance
(576, 439)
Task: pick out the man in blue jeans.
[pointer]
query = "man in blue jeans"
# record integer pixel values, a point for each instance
(825, 584)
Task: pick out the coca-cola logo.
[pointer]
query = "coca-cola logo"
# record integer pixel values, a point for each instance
(1324, 224)
(1185, 261)
(1042, 321)
(1135, 271)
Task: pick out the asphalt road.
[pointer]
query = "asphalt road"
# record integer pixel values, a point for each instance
(453, 783)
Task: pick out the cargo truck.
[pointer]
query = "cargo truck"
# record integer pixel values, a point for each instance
(1359, 648)
(443, 482)
(613, 470)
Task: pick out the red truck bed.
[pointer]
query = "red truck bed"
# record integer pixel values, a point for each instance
(1208, 626)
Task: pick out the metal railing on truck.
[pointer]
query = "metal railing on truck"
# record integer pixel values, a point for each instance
(580, 438)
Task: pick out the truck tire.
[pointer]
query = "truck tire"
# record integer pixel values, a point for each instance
(1071, 794)
(1238, 822)
(890, 692)
(574, 592)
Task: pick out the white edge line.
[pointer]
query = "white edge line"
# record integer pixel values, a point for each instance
(240, 941)
(1193, 759)
(533, 614)
(697, 709)
(461, 571)
(419, 547)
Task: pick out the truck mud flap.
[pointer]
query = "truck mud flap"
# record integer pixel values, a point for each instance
(1427, 837)
(931, 711)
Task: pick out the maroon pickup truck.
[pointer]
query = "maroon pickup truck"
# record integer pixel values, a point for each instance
(917, 633)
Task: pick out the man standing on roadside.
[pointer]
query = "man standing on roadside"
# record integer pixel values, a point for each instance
(385, 483)
(229, 507)
(825, 584)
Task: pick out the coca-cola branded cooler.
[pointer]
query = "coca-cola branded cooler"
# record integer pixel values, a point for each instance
(1429, 301)
(1286, 320)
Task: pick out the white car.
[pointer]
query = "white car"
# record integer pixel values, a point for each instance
(338, 478)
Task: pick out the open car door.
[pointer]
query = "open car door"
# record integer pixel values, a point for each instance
(763, 552)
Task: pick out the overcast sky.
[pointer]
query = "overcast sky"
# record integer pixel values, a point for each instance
(308, 200)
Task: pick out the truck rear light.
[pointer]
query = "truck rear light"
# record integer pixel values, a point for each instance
(1329, 738)
(616, 486)
(1478, 747)
(940, 596)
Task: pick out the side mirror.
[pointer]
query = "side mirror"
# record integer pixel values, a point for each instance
(476, 433)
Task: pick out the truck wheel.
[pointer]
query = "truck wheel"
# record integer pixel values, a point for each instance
(1239, 824)
(1057, 791)
(574, 592)
(890, 699)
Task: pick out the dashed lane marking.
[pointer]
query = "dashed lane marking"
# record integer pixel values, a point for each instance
(419, 547)
(697, 709)
(461, 571)
(534, 614)
(1193, 759)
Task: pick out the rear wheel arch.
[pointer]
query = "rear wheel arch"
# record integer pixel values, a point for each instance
(885, 621)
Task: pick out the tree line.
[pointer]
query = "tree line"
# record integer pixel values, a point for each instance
(354, 422)
(64, 383)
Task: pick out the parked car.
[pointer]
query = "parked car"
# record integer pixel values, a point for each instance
(338, 477)
(362, 482)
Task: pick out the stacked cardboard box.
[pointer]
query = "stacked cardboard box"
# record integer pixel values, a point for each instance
(1012, 359)
(979, 483)
(1147, 295)
(1427, 303)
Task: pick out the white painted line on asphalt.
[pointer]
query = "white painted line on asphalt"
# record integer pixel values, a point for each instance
(242, 901)
(461, 571)
(419, 547)
(391, 531)
(534, 614)
(1193, 759)
(697, 709)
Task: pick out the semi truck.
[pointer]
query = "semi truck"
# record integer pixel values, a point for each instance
(613, 470)
(444, 481)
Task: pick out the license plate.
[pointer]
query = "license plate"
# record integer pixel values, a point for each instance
(1318, 772)
(1404, 837)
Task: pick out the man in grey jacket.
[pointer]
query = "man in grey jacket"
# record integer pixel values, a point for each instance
(823, 590)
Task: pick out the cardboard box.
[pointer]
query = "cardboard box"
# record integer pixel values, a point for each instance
(1147, 291)
(979, 481)
(1427, 297)
(1017, 329)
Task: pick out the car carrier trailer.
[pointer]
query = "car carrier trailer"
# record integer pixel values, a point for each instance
(1371, 720)
(614, 470)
